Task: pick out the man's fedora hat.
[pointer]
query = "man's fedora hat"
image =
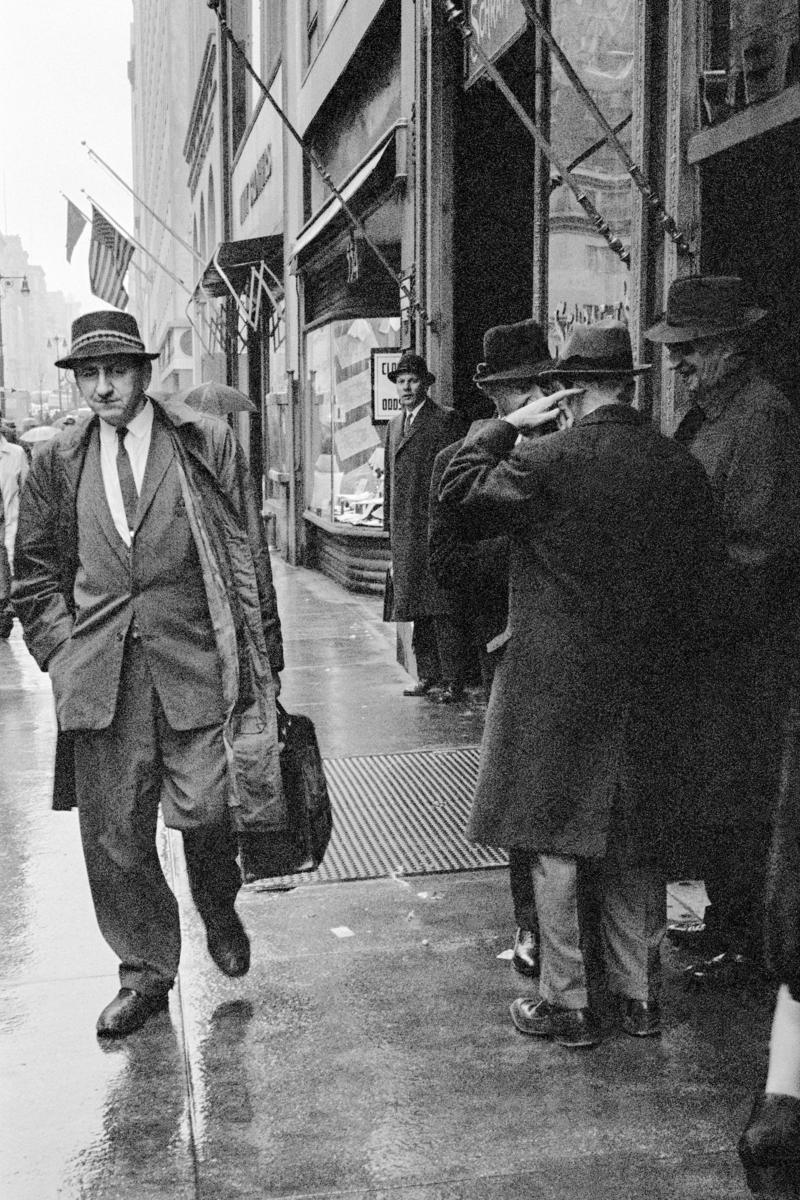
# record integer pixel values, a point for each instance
(411, 364)
(513, 352)
(600, 351)
(700, 306)
(100, 334)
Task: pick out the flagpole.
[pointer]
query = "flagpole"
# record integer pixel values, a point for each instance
(93, 154)
(136, 242)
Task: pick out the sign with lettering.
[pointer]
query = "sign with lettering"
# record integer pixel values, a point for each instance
(495, 25)
(385, 401)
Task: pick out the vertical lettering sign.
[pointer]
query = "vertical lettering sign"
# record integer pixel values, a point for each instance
(495, 25)
(385, 403)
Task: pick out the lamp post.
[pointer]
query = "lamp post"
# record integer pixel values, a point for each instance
(55, 343)
(7, 281)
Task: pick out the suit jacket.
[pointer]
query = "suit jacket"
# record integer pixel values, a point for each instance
(409, 465)
(612, 558)
(213, 504)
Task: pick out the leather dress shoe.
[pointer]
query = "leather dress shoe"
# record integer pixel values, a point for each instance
(573, 1027)
(526, 953)
(128, 1011)
(640, 1018)
(420, 688)
(229, 946)
(770, 1147)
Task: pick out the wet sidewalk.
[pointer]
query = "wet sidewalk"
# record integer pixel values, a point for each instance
(369, 1052)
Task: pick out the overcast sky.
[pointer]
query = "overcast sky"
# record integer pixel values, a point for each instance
(63, 79)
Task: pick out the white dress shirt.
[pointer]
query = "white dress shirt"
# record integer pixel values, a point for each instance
(137, 444)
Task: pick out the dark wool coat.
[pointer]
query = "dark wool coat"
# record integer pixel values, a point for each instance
(409, 465)
(472, 570)
(612, 550)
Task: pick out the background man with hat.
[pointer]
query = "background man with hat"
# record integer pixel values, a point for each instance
(745, 434)
(473, 570)
(608, 527)
(13, 472)
(144, 588)
(413, 440)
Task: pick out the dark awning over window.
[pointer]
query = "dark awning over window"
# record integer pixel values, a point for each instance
(236, 260)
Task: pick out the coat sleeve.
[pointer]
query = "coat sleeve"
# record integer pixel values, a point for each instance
(492, 481)
(251, 515)
(388, 471)
(37, 590)
(459, 558)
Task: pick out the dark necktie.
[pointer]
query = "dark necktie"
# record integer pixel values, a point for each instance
(130, 497)
(689, 427)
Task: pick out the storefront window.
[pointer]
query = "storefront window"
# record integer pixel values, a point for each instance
(277, 408)
(346, 451)
(588, 281)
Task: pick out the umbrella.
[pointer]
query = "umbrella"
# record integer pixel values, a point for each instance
(39, 433)
(215, 398)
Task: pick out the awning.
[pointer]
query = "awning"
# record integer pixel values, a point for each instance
(353, 185)
(231, 264)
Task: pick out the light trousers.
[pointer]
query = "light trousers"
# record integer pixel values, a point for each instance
(627, 903)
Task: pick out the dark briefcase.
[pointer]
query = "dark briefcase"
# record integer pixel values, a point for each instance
(302, 845)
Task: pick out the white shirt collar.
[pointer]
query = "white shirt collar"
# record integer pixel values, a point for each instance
(141, 425)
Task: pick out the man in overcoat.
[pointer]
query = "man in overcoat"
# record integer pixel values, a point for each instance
(610, 534)
(413, 440)
(473, 570)
(745, 434)
(13, 472)
(144, 588)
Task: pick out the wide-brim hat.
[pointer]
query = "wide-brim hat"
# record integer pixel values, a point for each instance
(411, 364)
(100, 334)
(517, 351)
(601, 351)
(700, 306)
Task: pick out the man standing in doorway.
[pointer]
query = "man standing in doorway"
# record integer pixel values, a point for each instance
(144, 588)
(413, 440)
(13, 472)
(746, 435)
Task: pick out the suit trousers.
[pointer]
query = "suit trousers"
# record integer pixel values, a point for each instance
(442, 649)
(630, 904)
(122, 773)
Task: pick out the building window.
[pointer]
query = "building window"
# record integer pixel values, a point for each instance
(346, 480)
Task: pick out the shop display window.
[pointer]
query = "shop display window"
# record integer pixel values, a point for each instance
(588, 282)
(345, 479)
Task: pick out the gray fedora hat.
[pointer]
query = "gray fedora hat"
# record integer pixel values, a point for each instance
(701, 306)
(103, 333)
(517, 351)
(600, 351)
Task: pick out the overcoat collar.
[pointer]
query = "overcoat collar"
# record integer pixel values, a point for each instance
(422, 415)
(613, 414)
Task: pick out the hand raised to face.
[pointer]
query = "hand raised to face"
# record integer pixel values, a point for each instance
(544, 410)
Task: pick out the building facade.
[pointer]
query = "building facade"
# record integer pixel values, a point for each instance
(380, 189)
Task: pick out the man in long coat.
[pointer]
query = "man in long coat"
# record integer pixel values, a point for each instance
(611, 545)
(144, 589)
(746, 435)
(414, 438)
(13, 472)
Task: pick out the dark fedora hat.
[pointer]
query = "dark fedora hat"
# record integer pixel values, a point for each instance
(100, 334)
(701, 306)
(516, 351)
(599, 351)
(411, 364)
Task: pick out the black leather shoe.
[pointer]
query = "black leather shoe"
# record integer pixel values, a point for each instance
(453, 693)
(128, 1011)
(526, 953)
(229, 946)
(770, 1147)
(640, 1018)
(420, 688)
(573, 1027)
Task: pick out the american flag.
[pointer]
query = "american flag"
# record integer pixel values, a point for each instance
(109, 256)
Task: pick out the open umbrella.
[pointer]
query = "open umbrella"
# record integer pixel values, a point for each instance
(39, 433)
(215, 398)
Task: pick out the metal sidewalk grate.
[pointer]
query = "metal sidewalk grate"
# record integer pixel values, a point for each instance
(399, 814)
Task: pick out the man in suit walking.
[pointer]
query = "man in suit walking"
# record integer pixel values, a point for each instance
(13, 472)
(611, 529)
(414, 439)
(144, 589)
